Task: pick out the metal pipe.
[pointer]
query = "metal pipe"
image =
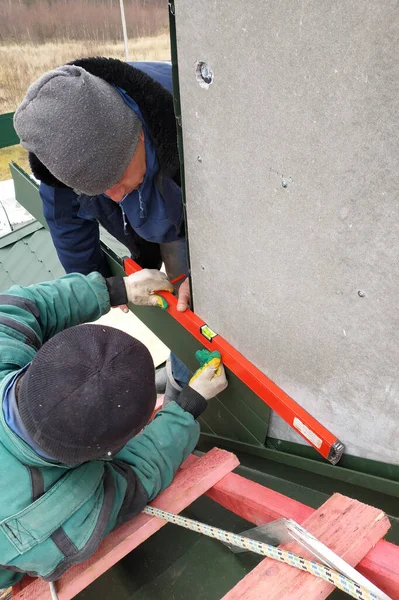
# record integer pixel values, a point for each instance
(125, 38)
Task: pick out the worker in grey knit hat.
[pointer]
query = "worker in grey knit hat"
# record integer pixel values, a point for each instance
(79, 127)
(101, 134)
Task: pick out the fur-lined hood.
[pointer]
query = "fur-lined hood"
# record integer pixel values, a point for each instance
(156, 106)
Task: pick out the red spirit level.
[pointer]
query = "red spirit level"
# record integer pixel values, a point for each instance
(301, 421)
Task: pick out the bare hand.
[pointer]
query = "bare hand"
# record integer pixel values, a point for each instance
(184, 296)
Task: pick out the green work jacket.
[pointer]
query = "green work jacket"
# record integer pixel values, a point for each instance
(53, 515)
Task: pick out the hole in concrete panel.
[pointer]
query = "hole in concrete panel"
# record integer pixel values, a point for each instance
(204, 74)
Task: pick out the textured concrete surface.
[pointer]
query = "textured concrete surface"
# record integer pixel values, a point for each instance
(292, 175)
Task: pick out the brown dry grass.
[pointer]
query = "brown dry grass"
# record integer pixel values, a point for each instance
(21, 65)
(18, 155)
(40, 21)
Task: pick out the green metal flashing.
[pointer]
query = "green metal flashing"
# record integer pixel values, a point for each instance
(354, 463)
(18, 234)
(27, 254)
(372, 483)
(8, 136)
(27, 193)
(29, 260)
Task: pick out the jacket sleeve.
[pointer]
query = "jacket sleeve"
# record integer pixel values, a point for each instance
(148, 463)
(9, 578)
(76, 240)
(31, 315)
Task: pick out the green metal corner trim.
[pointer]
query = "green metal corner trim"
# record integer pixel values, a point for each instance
(18, 234)
(8, 135)
(354, 463)
(358, 479)
(27, 193)
(31, 259)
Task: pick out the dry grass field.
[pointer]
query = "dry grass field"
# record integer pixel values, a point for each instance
(21, 64)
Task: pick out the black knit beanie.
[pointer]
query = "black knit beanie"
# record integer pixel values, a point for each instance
(88, 391)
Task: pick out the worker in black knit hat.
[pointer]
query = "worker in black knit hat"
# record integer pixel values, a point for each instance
(76, 453)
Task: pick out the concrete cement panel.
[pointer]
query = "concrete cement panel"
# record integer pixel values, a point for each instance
(292, 180)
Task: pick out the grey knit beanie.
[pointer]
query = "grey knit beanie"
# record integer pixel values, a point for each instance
(79, 128)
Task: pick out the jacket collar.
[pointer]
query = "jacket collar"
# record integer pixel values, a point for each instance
(13, 443)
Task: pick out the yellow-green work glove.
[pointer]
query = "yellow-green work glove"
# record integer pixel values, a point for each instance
(140, 288)
(210, 379)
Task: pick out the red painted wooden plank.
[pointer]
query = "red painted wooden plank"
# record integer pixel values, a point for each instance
(381, 566)
(252, 501)
(249, 500)
(18, 587)
(187, 486)
(158, 406)
(260, 505)
(347, 526)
